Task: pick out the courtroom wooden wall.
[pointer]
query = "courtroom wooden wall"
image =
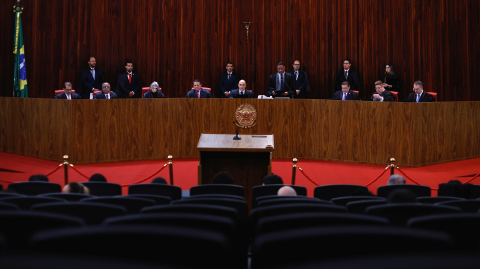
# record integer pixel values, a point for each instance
(176, 41)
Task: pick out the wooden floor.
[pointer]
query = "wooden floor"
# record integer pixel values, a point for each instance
(92, 131)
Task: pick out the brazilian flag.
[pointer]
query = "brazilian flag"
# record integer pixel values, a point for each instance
(20, 75)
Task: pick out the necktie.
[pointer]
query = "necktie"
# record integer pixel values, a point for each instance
(281, 82)
(106, 96)
(344, 96)
(296, 75)
(68, 97)
(198, 94)
(229, 75)
(93, 73)
(346, 74)
(130, 78)
(418, 98)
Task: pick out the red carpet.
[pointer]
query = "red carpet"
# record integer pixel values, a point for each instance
(19, 168)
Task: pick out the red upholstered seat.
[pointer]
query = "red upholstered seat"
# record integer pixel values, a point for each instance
(146, 89)
(396, 95)
(96, 91)
(355, 91)
(60, 91)
(434, 94)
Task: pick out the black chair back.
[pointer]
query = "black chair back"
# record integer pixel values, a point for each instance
(91, 213)
(399, 214)
(8, 194)
(470, 206)
(34, 187)
(174, 192)
(328, 192)
(360, 206)
(272, 189)
(418, 190)
(8, 207)
(345, 200)
(27, 202)
(217, 189)
(290, 200)
(159, 199)
(131, 204)
(103, 188)
(70, 197)
(437, 199)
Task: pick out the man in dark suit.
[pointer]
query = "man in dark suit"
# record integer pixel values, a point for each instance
(128, 84)
(381, 94)
(345, 94)
(91, 79)
(300, 80)
(281, 83)
(105, 93)
(242, 85)
(197, 91)
(227, 81)
(347, 74)
(67, 93)
(419, 96)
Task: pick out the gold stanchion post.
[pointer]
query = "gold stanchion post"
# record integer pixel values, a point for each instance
(294, 170)
(392, 166)
(65, 167)
(170, 167)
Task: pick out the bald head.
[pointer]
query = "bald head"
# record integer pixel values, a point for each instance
(286, 191)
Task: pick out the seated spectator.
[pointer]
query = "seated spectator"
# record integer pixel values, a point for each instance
(401, 196)
(75, 187)
(42, 178)
(396, 180)
(159, 180)
(97, 178)
(272, 179)
(286, 191)
(222, 178)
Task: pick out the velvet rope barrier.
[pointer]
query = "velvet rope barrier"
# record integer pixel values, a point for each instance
(398, 168)
(371, 182)
(80, 173)
(6, 181)
(470, 180)
(54, 170)
(301, 170)
(140, 181)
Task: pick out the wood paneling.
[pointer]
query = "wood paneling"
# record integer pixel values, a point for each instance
(147, 129)
(176, 41)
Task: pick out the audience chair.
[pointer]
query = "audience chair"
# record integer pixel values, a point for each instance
(91, 213)
(26, 203)
(103, 188)
(146, 89)
(437, 199)
(61, 91)
(158, 199)
(290, 200)
(216, 196)
(470, 191)
(273, 197)
(171, 244)
(69, 197)
(131, 204)
(328, 192)
(418, 190)
(275, 210)
(463, 227)
(217, 189)
(345, 200)
(34, 188)
(240, 205)
(174, 192)
(8, 207)
(205, 88)
(360, 206)
(259, 191)
(19, 226)
(470, 206)
(8, 194)
(288, 248)
(399, 214)
(310, 220)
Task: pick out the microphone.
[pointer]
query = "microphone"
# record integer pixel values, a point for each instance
(289, 87)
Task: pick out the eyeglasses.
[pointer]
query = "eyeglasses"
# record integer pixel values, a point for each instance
(108, 87)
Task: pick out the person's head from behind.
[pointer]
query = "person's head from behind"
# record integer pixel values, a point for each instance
(97, 178)
(272, 179)
(286, 191)
(41, 178)
(222, 178)
(74, 187)
(396, 180)
(159, 180)
(401, 196)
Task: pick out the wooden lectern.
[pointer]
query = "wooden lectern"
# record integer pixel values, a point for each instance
(248, 160)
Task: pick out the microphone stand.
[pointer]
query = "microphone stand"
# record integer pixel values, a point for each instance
(236, 137)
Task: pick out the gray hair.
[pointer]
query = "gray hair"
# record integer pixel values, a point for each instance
(154, 84)
(396, 180)
(67, 84)
(418, 83)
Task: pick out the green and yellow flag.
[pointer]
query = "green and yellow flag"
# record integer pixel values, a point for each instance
(20, 75)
